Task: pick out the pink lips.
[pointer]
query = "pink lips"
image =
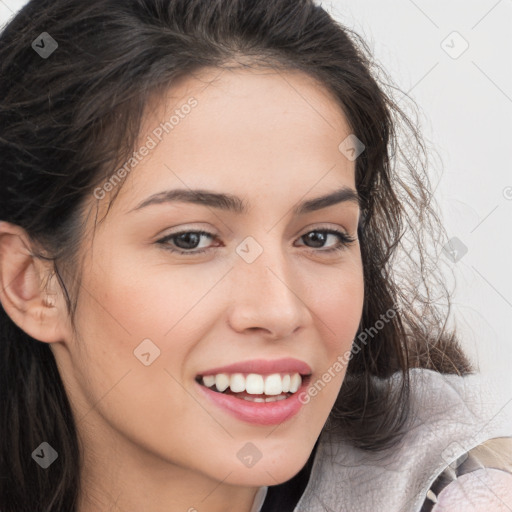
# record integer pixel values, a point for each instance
(269, 413)
(263, 367)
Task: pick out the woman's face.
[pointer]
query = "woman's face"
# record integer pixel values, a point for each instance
(263, 292)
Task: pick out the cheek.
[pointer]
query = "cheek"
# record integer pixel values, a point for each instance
(125, 317)
(138, 301)
(338, 303)
(142, 319)
(336, 300)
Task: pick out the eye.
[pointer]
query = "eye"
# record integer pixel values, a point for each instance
(184, 241)
(344, 239)
(187, 242)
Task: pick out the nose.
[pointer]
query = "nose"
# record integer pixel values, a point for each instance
(267, 297)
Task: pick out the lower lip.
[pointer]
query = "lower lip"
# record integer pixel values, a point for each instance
(259, 413)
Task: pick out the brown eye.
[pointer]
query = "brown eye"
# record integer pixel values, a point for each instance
(319, 240)
(186, 241)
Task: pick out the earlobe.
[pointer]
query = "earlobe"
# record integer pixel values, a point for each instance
(27, 296)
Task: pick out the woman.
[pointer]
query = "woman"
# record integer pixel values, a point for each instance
(201, 306)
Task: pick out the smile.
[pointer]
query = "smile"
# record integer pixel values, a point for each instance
(254, 387)
(257, 392)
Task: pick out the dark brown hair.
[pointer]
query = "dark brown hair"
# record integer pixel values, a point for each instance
(66, 121)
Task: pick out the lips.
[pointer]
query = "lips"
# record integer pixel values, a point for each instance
(263, 367)
(257, 391)
(257, 377)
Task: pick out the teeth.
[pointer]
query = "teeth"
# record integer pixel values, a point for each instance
(295, 382)
(272, 385)
(254, 384)
(221, 382)
(285, 383)
(269, 399)
(209, 380)
(237, 383)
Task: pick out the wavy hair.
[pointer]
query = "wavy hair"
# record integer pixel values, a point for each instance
(66, 121)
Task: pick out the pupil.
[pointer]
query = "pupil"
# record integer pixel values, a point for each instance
(315, 236)
(185, 236)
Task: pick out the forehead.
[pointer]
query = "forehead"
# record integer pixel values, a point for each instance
(274, 98)
(248, 130)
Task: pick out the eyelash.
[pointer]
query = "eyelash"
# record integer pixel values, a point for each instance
(345, 241)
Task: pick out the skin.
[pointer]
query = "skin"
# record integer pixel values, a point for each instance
(151, 441)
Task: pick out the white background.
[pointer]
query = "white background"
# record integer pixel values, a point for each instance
(466, 115)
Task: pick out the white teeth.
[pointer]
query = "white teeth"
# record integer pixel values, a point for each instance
(268, 399)
(295, 382)
(285, 383)
(237, 383)
(273, 384)
(254, 384)
(209, 380)
(221, 382)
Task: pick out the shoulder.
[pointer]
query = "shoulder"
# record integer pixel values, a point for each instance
(450, 416)
(465, 409)
(483, 490)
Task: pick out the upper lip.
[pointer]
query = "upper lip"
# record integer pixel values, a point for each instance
(263, 366)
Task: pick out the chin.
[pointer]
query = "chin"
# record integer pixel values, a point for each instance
(277, 469)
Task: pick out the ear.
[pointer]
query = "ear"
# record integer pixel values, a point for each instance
(29, 291)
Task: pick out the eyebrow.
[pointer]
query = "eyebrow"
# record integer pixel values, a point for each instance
(235, 204)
